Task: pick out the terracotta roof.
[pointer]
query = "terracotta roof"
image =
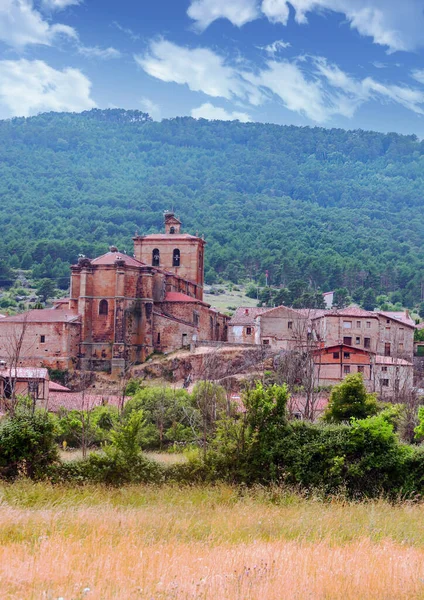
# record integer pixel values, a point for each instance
(420, 325)
(352, 349)
(56, 387)
(401, 317)
(169, 236)
(61, 301)
(44, 315)
(246, 315)
(25, 373)
(110, 257)
(350, 311)
(179, 297)
(312, 313)
(76, 401)
(391, 360)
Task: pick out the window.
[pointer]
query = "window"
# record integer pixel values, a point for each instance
(156, 257)
(361, 369)
(346, 369)
(357, 340)
(358, 324)
(42, 339)
(265, 342)
(290, 325)
(103, 307)
(384, 369)
(172, 229)
(347, 324)
(248, 331)
(384, 382)
(158, 338)
(387, 349)
(176, 258)
(401, 346)
(196, 317)
(367, 342)
(368, 324)
(33, 388)
(387, 320)
(185, 338)
(347, 341)
(346, 355)
(336, 355)
(387, 328)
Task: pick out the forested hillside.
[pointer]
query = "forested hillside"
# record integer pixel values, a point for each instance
(330, 207)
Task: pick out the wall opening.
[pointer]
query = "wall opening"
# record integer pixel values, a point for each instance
(103, 307)
(156, 257)
(176, 258)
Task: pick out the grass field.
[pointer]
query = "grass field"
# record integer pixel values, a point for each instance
(204, 542)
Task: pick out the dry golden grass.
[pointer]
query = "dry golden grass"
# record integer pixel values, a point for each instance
(200, 542)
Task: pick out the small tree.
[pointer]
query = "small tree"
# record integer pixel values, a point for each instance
(369, 300)
(350, 399)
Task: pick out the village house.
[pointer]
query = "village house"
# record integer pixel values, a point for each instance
(379, 345)
(23, 381)
(122, 308)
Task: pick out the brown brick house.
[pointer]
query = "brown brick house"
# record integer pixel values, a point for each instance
(125, 307)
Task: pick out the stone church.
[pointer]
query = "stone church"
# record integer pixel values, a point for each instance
(122, 308)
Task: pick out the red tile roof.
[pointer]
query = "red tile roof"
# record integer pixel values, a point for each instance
(179, 297)
(110, 257)
(56, 387)
(76, 401)
(169, 236)
(247, 315)
(391, 360)
(44, 315)
(25, 373)
(350, 311)
(400, 316)
(420, 325)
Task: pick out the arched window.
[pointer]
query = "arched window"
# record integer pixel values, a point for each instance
(155, 257)
(176, 258)
(172, 230)
(103, 307)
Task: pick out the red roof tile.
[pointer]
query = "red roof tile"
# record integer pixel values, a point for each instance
(179, 297)
(76, 401)
(247, 315)
(391, 360)
(44, 315)
(400, 316)
(110, 257)
(56, 387)
(350, 311)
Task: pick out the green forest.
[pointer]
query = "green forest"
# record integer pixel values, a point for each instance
(326, 207)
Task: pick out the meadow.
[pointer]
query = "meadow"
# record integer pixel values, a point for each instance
(198, 542)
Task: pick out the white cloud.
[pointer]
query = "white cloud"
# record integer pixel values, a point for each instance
(60, 4)
(96, 52)
(277, 11)
(211, 112)
(21, 24)
(239, 12)
(307, 85)
(199, 68)
(397, 24)
(29, 87)
(129, 32)
(392, 23)
(418, 75)
(275, 47)
(151, 108)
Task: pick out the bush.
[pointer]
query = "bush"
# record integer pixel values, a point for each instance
(349, 400)
(27, 444)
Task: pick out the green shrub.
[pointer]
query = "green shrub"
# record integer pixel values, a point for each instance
(350, 399)
(27, 444)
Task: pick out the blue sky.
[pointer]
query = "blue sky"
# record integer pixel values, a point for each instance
(334, 63)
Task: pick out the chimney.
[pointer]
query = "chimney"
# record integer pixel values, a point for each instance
(407, 313)
(246, 311)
